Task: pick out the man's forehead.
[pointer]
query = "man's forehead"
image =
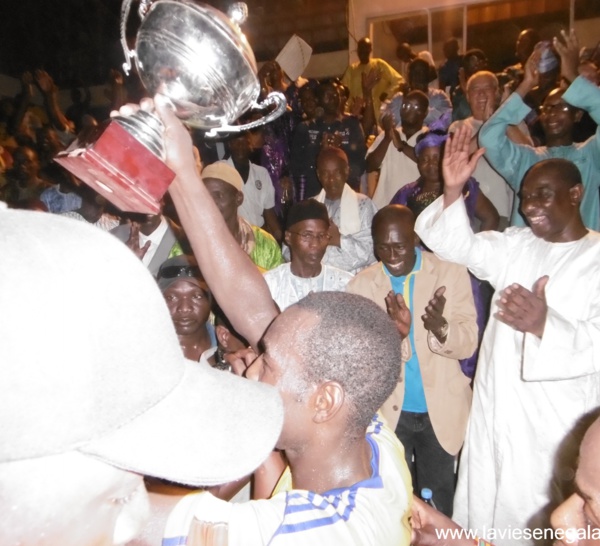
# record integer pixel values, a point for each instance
(394, 230)
(541, 179)
(483, 81)
(281, 331)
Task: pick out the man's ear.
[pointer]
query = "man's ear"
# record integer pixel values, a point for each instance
(328, 400)
(286, 237)
(578, 115)
(239, 198)
(576, 194)
(223, 335)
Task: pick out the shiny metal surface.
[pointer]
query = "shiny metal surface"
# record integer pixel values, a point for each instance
(197, 57)
(146, 128)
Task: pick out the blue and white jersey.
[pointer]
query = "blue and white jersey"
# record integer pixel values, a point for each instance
(371, 512)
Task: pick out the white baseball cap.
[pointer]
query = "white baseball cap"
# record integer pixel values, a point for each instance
(90, 362)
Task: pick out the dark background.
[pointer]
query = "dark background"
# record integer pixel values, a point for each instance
(77, 41)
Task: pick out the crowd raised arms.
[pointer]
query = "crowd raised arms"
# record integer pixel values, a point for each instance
(389, 289)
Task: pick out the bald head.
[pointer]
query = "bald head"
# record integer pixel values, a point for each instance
(396, 214)
(363, 50)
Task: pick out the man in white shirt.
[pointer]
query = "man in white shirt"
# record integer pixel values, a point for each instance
(307, 236)
(538, 369)
(484, 98)
(350, 214)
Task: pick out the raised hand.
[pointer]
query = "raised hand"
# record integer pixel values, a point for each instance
(44, 81)
(241, 360)
(133, 243)
(433, 319)
(457, 168)
(569, 54)
(531, 75)
(399, 312)
(356, 106)
(524, 310)
(177, 138)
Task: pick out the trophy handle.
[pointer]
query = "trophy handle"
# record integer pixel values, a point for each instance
(274, 97)
(142, 10)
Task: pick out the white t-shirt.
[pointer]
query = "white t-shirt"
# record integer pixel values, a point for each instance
(259, 194)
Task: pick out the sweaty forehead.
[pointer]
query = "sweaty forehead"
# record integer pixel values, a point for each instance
(394, 230)
(285, 329)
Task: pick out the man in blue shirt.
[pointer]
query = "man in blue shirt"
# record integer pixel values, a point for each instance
(559, 113)
(430, 405)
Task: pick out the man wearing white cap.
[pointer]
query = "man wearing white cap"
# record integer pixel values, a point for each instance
(226, 187)
(95, 391)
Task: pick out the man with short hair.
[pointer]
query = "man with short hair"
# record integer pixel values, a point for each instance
(392, 152)
(335, 359)
(307, 237)
(388, 80)
(95, 392)
(559, 114)
(430, 406)
(350, 214)
(539, 368)
(225, 186)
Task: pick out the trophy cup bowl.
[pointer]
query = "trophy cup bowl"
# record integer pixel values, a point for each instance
(199, 59)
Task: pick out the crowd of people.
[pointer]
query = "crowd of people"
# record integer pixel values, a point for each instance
(390, 288)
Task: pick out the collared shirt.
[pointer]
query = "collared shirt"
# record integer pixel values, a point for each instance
(155, 238)
(414, 394)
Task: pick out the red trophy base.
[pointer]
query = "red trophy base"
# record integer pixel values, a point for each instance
(120, 168)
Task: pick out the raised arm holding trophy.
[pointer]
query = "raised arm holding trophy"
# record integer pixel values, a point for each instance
(199, 59)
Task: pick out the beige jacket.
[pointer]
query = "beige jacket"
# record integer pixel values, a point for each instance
(447, 389)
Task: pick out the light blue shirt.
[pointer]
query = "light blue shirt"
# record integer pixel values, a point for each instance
(414, 394)
(513, 161)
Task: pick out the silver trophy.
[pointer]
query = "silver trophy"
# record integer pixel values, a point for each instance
(199, 59)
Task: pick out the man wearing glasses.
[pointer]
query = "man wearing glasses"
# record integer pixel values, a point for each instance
(559, 113)
(307, 236)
